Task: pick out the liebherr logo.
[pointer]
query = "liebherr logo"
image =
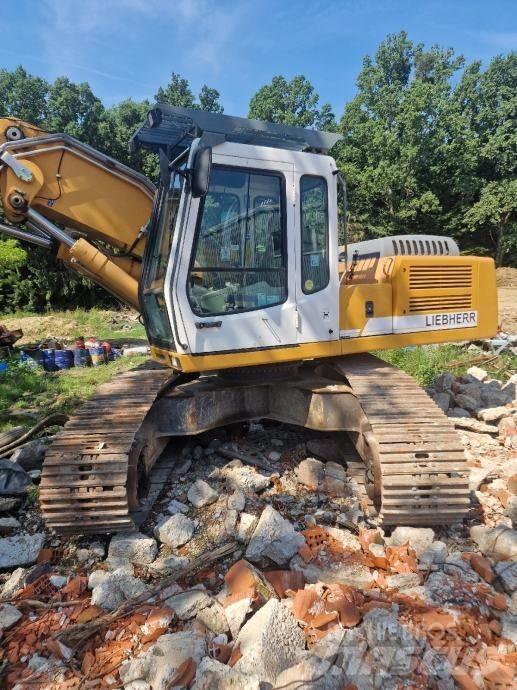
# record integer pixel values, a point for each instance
(435, 322)
(456, 320)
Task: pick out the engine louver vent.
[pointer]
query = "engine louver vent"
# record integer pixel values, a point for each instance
(426, 304)
(436, 277)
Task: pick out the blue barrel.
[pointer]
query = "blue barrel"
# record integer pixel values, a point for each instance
(81, 357)
(49, 360)
(64, 359)
(98, 355)
(33, 357)
(3, 367)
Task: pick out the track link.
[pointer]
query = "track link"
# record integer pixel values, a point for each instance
(422, 464)
(89, 477)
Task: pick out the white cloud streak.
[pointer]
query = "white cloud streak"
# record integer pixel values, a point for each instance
(203, 33)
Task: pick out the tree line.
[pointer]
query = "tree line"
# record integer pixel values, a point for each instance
(429, 146)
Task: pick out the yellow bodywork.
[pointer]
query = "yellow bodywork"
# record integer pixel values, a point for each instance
(395, 292)
(99, 199)
(27, 129)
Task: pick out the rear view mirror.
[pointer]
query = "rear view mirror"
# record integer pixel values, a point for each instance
(200, 165)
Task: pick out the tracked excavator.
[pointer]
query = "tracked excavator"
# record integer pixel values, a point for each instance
(251, 308)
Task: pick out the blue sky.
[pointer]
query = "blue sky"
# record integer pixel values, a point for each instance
(129, 47)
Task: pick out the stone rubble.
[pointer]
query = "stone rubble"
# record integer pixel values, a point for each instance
(274, 537)
(132, 547)
(313, 593)
(201, 494)
(175, 530)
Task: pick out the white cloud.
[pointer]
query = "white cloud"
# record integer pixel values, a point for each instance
(497, 40)
(203, 33)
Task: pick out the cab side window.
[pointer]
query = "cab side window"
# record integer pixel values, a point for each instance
(314, 229)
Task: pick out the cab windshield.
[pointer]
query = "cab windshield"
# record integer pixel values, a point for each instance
(239, 255)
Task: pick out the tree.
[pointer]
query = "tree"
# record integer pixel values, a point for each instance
(11, 255)
(495, 215)
(73, 109)
(118, 126)
(209, 100)
(23, 95)
(489, 100)
(408, 151)
(178, 93)
(292, 103)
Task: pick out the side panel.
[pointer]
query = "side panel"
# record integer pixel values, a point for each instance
(406, 295)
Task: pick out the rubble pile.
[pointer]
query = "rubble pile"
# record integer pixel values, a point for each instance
(259, 569)
(484, 412)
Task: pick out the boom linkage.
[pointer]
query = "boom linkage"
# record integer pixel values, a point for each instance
(52, 180)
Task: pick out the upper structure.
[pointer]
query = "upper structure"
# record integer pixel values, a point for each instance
(174, 128)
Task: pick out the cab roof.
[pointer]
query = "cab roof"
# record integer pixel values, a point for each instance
(173, 129)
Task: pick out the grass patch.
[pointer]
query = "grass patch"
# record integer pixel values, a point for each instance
(426, 362)
(43, 393)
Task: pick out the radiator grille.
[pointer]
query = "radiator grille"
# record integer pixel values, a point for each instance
(436, 277)
(426, 304)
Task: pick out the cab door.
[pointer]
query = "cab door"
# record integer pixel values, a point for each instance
(233, 287)
(317, 283)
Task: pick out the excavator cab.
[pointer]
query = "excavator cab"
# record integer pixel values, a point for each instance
(242, 249)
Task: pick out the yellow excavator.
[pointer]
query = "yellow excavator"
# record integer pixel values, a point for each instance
(251, 308)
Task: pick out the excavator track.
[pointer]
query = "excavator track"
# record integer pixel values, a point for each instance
(90, 475)
(409, 466)
(416, 452)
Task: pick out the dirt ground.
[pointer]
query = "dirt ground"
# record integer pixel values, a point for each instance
(507, 297)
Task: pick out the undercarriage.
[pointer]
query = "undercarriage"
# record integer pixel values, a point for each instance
(104, 468)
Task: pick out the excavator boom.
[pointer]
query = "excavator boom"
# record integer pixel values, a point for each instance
(53, 180)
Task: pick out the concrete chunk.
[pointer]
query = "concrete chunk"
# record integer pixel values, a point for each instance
(9, 615)
(159, 664)
(212, 675)
(188, 604)
(201, 494)
(311, 473)
(500, 541)
(269, 642)
(118, 586)
(274, 538)
(22, 549)
(175, 530)
(132, 547)
(418, 538)
(312, 672)
(245, 479)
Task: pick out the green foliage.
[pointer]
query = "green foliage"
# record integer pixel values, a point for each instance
(23, 96)
(178, 93)
(60, 392)
(424, 142)
(426, 362)
(11, 255)
(12, 258)
(495, 213)
(292, 103)
(407, 150)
